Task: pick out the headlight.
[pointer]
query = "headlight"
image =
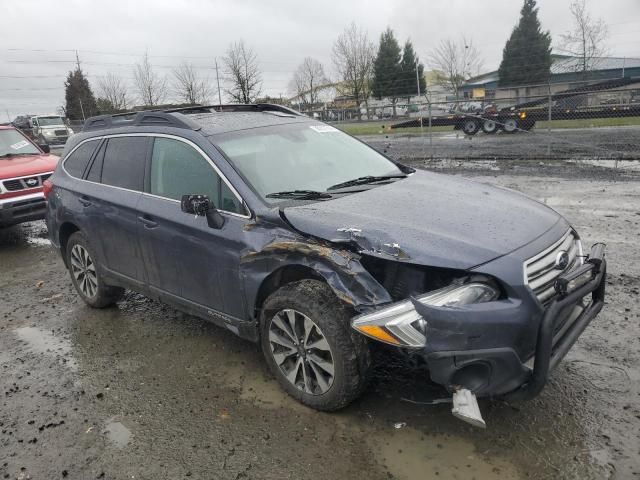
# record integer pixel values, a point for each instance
(401, 325)
(48, 133)
(70, 131)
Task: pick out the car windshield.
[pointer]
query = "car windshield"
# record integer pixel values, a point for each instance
(50, 121)
(301, 157)
(13, 143)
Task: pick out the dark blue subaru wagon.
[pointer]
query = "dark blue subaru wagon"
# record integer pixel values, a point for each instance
(291, 233)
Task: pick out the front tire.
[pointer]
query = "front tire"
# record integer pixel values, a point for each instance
(310, 347)
(85, 274)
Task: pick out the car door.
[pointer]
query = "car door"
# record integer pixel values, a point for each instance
(184, 257)
(117, 180)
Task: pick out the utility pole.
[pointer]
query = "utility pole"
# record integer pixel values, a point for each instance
(80, 99)
(82, 109)
(218, 80)
(418, 85)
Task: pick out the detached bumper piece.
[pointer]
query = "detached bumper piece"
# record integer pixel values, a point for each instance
(571, 287)
(465, 407)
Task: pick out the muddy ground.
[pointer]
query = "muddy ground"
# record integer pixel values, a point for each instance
(142, 391)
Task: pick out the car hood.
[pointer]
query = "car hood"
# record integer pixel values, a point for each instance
(429, 219)
(24, 166)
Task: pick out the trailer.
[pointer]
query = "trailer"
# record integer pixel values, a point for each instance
(523, 116)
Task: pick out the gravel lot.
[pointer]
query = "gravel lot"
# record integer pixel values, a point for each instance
(142, 391)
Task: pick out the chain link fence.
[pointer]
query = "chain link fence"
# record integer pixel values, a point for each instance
(599, 121)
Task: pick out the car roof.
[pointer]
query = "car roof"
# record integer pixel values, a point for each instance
(225, 122)
(206, 120)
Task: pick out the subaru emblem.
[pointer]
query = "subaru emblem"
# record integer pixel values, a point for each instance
(562, 260)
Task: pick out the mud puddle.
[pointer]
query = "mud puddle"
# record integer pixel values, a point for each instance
(117, 434)
(47, 344)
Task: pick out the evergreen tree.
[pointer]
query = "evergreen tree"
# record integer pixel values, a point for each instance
(79, 96)
(387, 71)
(526, 58)
(409, 82)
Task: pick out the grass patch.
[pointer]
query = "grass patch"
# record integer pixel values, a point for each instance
(382, 128)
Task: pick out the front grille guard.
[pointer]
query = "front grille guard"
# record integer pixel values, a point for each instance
(548, 355)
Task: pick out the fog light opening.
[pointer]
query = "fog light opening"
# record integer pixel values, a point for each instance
(473, 376)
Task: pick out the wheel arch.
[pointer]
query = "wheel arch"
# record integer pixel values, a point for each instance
(266, 271)
(64, 232)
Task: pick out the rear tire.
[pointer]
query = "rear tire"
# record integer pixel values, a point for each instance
(510, 125)
(489, 126)
(310, 347)
(85, 274)
(470, 126)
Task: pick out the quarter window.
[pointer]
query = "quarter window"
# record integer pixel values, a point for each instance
(178, 169)
(95, 170)
(123, 164)
(76, 163)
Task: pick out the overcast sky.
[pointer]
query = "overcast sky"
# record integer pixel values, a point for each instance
(111, 35)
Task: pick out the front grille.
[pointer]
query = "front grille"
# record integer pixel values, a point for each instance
(541, 271)
(13, 185)
(61, 133)
(16, 184)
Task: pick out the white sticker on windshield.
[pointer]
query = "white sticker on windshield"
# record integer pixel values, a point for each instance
(324, 128)
(19, 145)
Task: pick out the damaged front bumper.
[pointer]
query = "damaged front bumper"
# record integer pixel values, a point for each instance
(479, 346)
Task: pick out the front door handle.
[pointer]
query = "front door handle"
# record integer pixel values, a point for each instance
(85, 201)
(147, 222)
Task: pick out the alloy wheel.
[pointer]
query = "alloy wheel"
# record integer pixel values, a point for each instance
(301, 352)
(84, 271)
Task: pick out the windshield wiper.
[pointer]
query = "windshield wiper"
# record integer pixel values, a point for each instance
(300, 194)
(365, 180)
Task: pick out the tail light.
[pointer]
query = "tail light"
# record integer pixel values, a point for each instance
(47, 188)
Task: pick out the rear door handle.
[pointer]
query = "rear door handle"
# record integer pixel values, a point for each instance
(148, 223)
(85, 201)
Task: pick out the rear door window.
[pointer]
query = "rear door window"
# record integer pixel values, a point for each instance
(77, 162)
(123, 164)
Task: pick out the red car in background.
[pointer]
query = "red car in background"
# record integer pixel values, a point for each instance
(24, 167)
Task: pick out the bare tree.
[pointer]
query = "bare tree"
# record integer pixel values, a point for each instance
(189, 87)
(243, 73)
(308, 81)
(455, 62)
(353, 55)
(152, 89)
(114, 90)
(587, 39)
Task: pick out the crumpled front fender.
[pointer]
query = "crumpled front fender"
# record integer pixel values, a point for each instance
(341, 269)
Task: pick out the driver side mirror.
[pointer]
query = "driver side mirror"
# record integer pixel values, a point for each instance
(45, 148)
(202, 206)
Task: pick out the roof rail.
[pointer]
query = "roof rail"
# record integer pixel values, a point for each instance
(234, 107)
(144, 118)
